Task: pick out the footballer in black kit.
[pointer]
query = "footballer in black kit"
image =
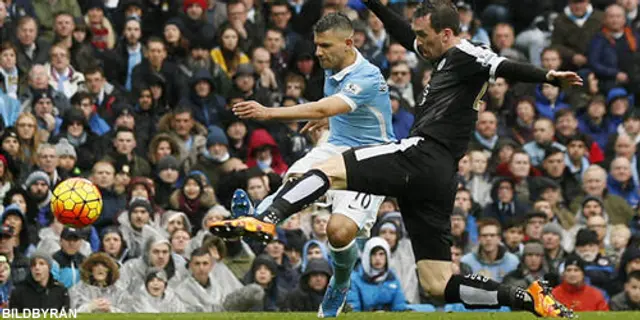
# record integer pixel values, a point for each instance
(420, 170)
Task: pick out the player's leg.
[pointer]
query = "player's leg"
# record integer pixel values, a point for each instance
(353, 213)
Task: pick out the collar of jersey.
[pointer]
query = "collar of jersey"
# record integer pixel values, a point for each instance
(344, 72)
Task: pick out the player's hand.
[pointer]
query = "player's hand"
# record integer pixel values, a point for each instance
(566, 78)
(315, 125)
(251, 110)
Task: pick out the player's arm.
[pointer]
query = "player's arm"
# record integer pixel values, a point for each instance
(525, 72)
(324, 108)
(399, 29)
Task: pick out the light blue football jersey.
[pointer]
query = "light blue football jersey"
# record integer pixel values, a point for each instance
(364, 88)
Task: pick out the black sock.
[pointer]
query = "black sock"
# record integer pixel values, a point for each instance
(479, 292)
(296, 195)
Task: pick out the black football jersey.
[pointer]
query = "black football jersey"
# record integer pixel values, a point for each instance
(447, 109)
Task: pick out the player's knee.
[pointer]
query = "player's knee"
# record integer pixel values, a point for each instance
(341, 231)
(433, 277)
(434, 289)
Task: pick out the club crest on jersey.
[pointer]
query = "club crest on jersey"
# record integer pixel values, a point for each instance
(352, 88)
(441, 64)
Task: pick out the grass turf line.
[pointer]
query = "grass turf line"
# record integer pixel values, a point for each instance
(355, 316)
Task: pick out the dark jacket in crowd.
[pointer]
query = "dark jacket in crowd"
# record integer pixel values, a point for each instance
(303, 298)
(31, 295)
(209, 111)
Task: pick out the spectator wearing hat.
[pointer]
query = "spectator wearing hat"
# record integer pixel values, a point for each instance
(192, 199)
(124, 143)
(287, 276)
(207, 105)
(471, 25)
(244, 80)
(199, 57)
(77, 140)
(629, 263)
(554, 253)
(591, 206)
(18, 263)
(38, 188)
(264, 272)
(618, 104)
(574, 292)
(532, 266)
(599, 268)
(310, 291)
(176, 39)
(217, 154)
(595, 122)
(136, 223)
(401, 260)
(621, 182)
(97, 291)
(263, 152)
(23, 231)
(506, 204)
(401, 118)
(40, 290)
(490, 259)
(42, 106)
(156, 254)
(112, 243)
(154, 296)
(69, 257)
(616, 207)
(533, 223)
(196, 25)
(168, 173)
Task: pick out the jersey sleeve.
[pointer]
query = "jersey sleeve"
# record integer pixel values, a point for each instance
(358, 91)
(479, 60)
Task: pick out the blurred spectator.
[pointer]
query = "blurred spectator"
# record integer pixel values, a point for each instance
(313, 284)
(574, 29)
(471, 25)
(154, 296)
(506, 204)
(245, 81)
(31, 49)
(374, 285)
(513, 236)
(189, 134)
(612, 51)
(629, 299)
(620, 181)
(522, 130)
(594, 184)
(6, 285)
(479, 183)
(195, 21)
(156, 63)
(532, 266)
(620, 238)
(69, 257)
(576, 157)
(263, 153)
(97, 291)
(264, 273)
(543, 133)
(599, 268)
(491, 259)
(555, 254)
(105, 94)
(485, 137)
(18, 263)
(503, 39)
(533, 223)
(112, 243)
(400, 79)
(574, 292)
(192, 199)
(551, 203)
(567, 126)
(40, 290)
(229, 55)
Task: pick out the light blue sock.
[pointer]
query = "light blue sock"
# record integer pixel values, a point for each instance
(343, 261)
(264, 204)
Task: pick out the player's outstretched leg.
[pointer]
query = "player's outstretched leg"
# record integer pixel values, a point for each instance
(479, 292)
(342, 232)
(294, 196)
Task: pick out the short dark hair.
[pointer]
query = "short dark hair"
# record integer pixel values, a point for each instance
(485, 222)
(155, 39)
(551, 49)
(182, 109)
(334, 21)
(63, 13)
(563, 113)
(94, 69)
(634, 275)
(444, 15)
(200, 252)
(77, 98)
(123, 129)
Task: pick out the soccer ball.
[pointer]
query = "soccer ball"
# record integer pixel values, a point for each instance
(76, 202)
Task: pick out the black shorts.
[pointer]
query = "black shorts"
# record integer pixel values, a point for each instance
(420, 173)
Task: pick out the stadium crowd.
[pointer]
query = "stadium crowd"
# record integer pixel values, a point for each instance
(136, 95)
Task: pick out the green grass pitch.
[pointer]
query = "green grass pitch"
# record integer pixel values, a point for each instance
(356, 316)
